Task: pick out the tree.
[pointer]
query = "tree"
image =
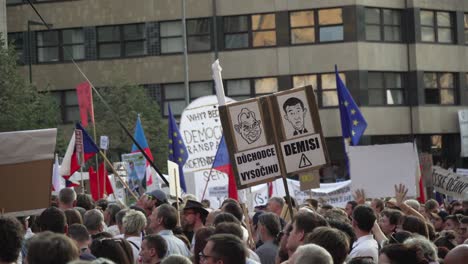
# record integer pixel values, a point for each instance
(23, 106)
(127, 101)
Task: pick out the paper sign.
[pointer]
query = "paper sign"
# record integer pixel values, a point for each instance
(309, 180)
(450, 183)
(335, 194)
(79, 145)
(303, 153)
(377, 168)
(174, 180)
(104, 142)
(256, 165)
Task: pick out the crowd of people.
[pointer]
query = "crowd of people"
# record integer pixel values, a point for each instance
(75, 229)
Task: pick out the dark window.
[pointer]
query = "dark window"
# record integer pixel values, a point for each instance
(48, 46)
(437, 26)
(68, 102)
(175, 95)
(383, 24)
(324, 25)
(73, 44)
(121, 41)
(199, 34)
(238, 89)
(385, 88)
(439, 88)
(199, 89)
(236, 32)
(17, 40)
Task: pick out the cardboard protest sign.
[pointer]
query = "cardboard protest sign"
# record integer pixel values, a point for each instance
(309, 180)
(300, 134)
(174, 180)
(377, 168)
(26, 163)
(250, 140)
(450, 183)
(335, 194)
(463, 121)
(136, 170)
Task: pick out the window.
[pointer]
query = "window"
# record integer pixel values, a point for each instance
(236, 32)
(175, 95)
(328, 89)
(68, 102)
(263, 30)
(199, 89)
(265, 86)
(171, 37)
(73, 44)
(302, 27)
(383, 24)
(437, 26)
(17, 40)
(238, 89)
(121, 41)
(439, 88)
(199, 34)
(466, 28)
(48, 46)
(330, 24)
(385, 88)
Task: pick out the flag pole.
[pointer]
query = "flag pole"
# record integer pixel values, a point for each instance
(177, 199)
(207, 181)
(95, 139)
(116, 174)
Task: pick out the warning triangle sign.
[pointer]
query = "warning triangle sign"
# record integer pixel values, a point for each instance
(304, 162)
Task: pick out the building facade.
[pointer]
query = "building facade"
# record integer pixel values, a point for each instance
(404, 61)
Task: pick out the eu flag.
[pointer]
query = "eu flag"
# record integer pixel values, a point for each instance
(177, 150)
(353, 123)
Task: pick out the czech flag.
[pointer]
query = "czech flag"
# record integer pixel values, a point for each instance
(99, 182)
(141, 139)
(222, 163)
(70, 162)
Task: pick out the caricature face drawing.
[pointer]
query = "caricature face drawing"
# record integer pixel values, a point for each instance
(248, 126)
(295, 113)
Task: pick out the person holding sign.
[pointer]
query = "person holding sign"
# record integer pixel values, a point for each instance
(294, 112)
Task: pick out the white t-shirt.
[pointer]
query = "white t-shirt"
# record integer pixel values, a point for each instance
(365, 246)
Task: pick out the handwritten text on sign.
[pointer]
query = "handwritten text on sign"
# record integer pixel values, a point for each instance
(257, 165)
(450, 183)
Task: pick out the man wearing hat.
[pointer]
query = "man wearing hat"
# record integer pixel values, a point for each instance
(151, 200)
(194, 216)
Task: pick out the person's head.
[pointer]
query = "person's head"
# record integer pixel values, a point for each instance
(234, 209)
(428, 248)
(53, 248)
(133, 223)
(102, 204)
(163, 217)
(223, 249)
(85, 201)
(115, 249)
(331, 239)
(73, 217)
(336, 214)
(414, 225)
(304, 222)
(399, 237)
(275, 205)
(432, 206)
(389, 220)
(201, 238)
(311, 254)
(313, 203)
(294, 112)
(447, 239)
(457, 255)
(11, 237)
(211, 216)
(67, 198)
(363, 218)
(176, 259)
(94, 221)
(53, 219)
(401, 254)
(81, 210)
(229, 228)
(153, 199)
(350, 207)
(268, 226)
(283, 237)
(225, 217)
(248, 126)
(436, 221)
(153, 249)
(455, 206)
(463, 230)
(413, 204)
(194, 214)
(452, 223)
(377, 205)
(362, 260)
(119, 219)
(344, 227)
(206, 203)
(80, 235)
(110, 213)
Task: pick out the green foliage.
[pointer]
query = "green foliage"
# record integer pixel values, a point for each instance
(22, 106)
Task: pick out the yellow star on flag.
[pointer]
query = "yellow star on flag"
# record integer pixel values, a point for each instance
(353, 111)
(175, 134)
(180, 159)
(353, 133)
(180, 141)
(170, 151)
(170, 141)
(346, 103)
(181, 151)
(355, 122)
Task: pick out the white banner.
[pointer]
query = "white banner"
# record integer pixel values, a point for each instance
(336, 194)
(463, 120)
(450, 183)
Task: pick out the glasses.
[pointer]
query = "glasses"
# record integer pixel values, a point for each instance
(204, 257)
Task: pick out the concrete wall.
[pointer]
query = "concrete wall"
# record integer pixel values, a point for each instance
(3, 20)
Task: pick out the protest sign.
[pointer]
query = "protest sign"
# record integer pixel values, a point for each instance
(463, 120)
(450, 183)
(462, 171)
(26, 162)
(201, 130)
(136, 170)
(309, 180)
(377, 168)
(335, 194)
(174, 180)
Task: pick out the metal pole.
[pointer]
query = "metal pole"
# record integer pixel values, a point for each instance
(215, 30)
(186, 67)
(29, 51)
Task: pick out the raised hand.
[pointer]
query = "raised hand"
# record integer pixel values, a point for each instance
(359, 196)
(400, 194)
